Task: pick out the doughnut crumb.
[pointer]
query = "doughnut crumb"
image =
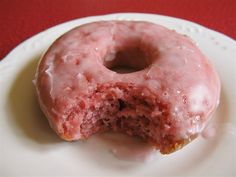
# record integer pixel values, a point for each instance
(126, 109)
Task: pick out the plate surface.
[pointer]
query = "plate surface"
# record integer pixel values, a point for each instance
(30, 148)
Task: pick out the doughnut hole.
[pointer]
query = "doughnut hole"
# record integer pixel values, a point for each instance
(127, 60)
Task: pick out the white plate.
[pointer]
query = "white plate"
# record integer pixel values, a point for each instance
(29, 147)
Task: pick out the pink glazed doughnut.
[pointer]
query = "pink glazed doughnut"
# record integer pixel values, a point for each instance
(167, 100)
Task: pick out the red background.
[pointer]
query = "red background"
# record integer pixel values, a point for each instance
(20, 19)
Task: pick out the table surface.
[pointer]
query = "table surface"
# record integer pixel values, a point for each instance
(20, 19)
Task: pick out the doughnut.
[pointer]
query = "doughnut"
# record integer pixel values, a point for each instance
(166, 99)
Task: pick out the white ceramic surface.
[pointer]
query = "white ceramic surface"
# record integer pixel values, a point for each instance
(28, 147)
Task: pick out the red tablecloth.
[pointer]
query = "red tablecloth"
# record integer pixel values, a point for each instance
(20, 19)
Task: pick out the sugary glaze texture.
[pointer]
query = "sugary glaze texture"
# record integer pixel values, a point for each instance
(167, 100)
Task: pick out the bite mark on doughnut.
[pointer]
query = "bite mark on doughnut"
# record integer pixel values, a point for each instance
(128, 109)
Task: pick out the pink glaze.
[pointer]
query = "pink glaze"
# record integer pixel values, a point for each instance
(167, 101)
(209, 132)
